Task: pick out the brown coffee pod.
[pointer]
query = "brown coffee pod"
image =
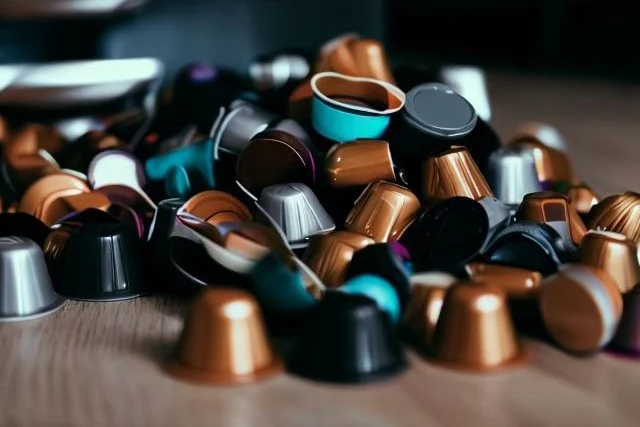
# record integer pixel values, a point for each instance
(619, 213)
(359, 162)
(582, 198)
(32, 138)
(224, 341)
(517, 283)
(551, 165)
(217, 207)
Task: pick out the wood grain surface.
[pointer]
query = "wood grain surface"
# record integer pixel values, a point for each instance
(95, 364)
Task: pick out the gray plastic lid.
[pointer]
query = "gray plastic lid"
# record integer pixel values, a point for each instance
(434, 108)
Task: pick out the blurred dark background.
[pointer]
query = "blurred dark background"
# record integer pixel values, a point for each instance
(586, 37)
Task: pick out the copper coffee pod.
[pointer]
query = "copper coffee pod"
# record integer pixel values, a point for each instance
(554, 210)
(553, 166)
(544, 133)
(45, 199)
(217, 207)
(453, 173)
(613, 253)
(26, 290)
(274, 157)
(627, 337)
(329, 255)
(582, 198)
(581, 307)
(383, 211)
(422, 313)
(33, 137)
(475, 331)
(224, 341)
(619, 213)
(516, 283)
(358, 163)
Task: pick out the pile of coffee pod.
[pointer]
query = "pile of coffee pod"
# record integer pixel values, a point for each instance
(351, 208)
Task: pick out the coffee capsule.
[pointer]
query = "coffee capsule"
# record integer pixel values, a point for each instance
(296, 210)
(274, 157)
(25, 292)
(619, 213)
(23, 225)
(359, 162)
(78, 156)
(581, 307)
(161, 227)
(96, 261)
(582, 198)
(351, 55)
(454, 231)
(275, 72)
(217, 207)
(329, 255)
(345, 108)
(378, 289)
(34, 137)
(281, 288)
(516, 283)
(44, 198)
(422, 313)
(117, 167)
(554, 210)
(613, 253)
(381, 260)
(224, 341)
(475, 332)
(383, 211)
(511, 173)
(544, 133)
(627, 337)
(453, 173)
(530, 246)
(347, 339)
(470, 83)
(553, 167)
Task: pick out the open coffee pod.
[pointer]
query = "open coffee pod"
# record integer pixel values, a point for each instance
(581, 307)
(475, 331)
(26, 291)
(216, 207)
(224, 341)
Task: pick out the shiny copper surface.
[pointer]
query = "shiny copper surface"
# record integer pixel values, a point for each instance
(4, 130)
(613, 253)
(453, 173)
(329, 255)
(619, 213)
(358, 163)
(82, 201)
(29, 168)
(544, 207)
(515, 282)
(32, 138)
(216, 207)
(383, 211)
(252, 240)
(224, 341)
(423, 311)
(581, 307)
(582, 197)
(475, 331)
(371, 94)
(43, 198)
(551, 165)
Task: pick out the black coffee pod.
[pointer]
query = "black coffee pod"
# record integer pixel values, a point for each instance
(23, 225)
(347, 339)
(381, 260)
(454, 231)
(96, 262)
(531, 246)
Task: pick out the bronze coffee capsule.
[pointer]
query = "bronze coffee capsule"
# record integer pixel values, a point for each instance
(453, 173)
(329, 255)
(359, 162)
(542, 132)
(423, 310)
(619, 213)
(383, 211)
(44, 199)
(217, 207)
(224, 341)
(515, 282)
(582, 198)
(581, 307)
(475, 331)
(555, 210)
(613, 253)
(552, 166)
